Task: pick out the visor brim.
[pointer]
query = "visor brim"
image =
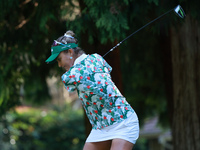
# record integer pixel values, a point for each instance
(52, 58)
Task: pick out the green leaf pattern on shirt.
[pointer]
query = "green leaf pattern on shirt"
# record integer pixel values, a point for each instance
(101, 99)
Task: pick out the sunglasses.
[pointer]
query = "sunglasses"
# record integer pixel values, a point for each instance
(56, 43)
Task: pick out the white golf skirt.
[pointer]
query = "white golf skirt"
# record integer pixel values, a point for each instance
(128, 130)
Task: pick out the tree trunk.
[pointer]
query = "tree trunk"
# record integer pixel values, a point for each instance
(185, 46)
(167, 69)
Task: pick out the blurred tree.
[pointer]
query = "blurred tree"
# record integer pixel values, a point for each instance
(37, 129)
(160, 54)
(166, 57)
(27, 28)
(100, 26)
(186, 84)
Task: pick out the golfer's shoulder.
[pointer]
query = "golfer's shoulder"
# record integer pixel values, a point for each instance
(95, 55)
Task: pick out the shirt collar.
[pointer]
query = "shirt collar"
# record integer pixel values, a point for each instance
(80, 58)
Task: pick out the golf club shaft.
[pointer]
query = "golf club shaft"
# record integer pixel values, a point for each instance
(137, 31)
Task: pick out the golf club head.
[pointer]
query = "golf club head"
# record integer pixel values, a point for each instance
(179, 11)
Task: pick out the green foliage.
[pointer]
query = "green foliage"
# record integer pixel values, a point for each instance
(141, 55)
(141, 144)
(142, 68)
(27, 28)
(106, 21)
(36, 129)
(154, 1)
(102, 21)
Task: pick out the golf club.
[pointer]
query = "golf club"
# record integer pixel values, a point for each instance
(178, 10)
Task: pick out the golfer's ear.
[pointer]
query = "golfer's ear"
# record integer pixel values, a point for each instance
(70, 51)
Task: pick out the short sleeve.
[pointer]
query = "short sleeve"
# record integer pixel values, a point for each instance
(69, 82)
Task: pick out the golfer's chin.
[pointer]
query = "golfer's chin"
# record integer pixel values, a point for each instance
(65, 69)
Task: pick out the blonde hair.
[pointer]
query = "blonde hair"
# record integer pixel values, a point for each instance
(69, 37)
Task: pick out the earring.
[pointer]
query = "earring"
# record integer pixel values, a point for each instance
(71, 57)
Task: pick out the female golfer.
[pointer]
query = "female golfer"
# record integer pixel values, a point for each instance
(114, 123)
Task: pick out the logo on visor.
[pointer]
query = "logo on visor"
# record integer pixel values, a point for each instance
(66, 46)
(51, 50)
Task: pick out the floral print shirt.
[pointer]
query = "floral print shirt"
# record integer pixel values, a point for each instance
(101, 99)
